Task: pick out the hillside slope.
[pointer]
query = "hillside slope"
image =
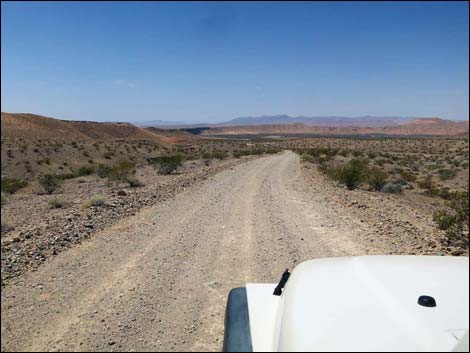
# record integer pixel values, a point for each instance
(421, 126)
(31, 126)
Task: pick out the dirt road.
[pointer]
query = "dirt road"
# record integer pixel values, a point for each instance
(159, 280)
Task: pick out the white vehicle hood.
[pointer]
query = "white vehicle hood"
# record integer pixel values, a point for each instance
(365, 304)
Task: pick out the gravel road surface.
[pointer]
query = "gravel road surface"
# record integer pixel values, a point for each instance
(158, 280)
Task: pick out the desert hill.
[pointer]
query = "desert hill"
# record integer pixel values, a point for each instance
(30, 126)
(420, 126)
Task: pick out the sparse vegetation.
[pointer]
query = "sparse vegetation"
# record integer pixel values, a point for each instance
(49, 182)
(56, 203)
(103, 170)
(376, 178)
(95, 201)
(121, 170)
(446, 174)
(350, 174)
(167, 164)
(108, 155)
(84, 170)
(392, 188)
(455, 221)
(426, 183)
(12, 185)
(134, 182)
(407, 175)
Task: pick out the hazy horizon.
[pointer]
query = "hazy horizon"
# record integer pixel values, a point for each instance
(187, 122)
(212, 62)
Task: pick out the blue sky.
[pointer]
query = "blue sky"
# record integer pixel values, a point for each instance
(210, 62)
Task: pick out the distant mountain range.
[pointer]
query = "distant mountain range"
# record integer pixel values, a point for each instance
(331, 121)
(159, 123)
(317, 120)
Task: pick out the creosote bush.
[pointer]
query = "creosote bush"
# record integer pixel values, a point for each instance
(121, 170)
(50, 182)
(167, 164)
(103, 170)
(445, 174)
(392, 188)
(455, 221)
(84, 170)
(12, 185)
(350, 174)
(376, 178)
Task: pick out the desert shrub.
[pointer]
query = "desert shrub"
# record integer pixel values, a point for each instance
(445, 193)
(326, 169)
(400, 181)
(426, 183)
(455, 220)
(134, 182)
(214, 155)
(206, 155)
(108, 155)
(307, 158)
(376, 178)
(167, 164)
(314, 152)
(103, 170)
(5, 228)
(392, 188)
(237, 154)
(351, 174)
(4, 199)
(324, 159)
(50, 182)
(12, 185)
(84, 170)
(65, 176)
(408, 176)
(121, 170)
(56, 203)
(446, 174)
(95, 201)
(357, 153)
(380, 161)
